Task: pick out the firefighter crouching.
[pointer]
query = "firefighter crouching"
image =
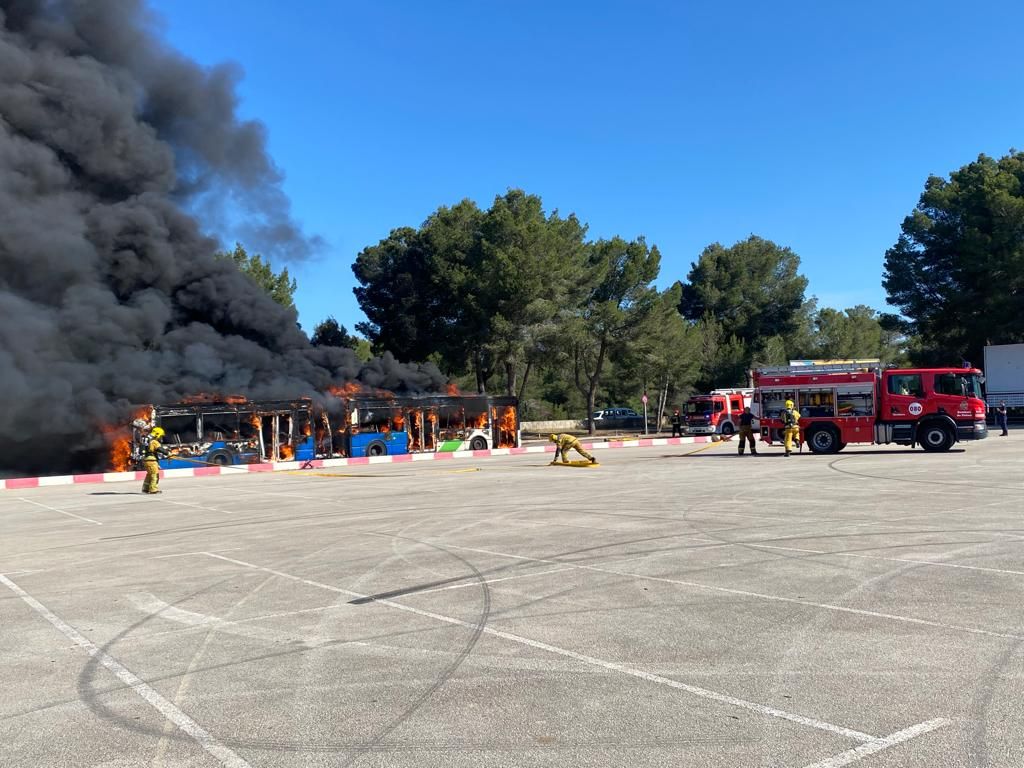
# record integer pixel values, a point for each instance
(154, 451)
(563, 443)
(790, 426)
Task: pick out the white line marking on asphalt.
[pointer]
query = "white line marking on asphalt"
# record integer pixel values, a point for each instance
(61, 511)
(591, 660)
(195, 506)
(154, 606)
(476, 583)
(759, 595)
(186, 554)
(199, 734)
(890, 559)
(876, 746)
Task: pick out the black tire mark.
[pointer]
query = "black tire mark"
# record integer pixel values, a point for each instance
(966, 486)
(446, 674)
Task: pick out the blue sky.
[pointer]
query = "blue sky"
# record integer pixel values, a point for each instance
(814, 124)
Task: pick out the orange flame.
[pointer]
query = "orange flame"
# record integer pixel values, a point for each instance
(199, 398)
(287, 452)
(506, 426)
(348, 389)
(453, 390)
(479, 421)
(120, 449)
(417, 441)
(120, 440)
(399, 422)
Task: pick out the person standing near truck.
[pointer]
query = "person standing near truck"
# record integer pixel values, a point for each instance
(790, 426)
(677, 424)
(747, 431)
(1001, 419)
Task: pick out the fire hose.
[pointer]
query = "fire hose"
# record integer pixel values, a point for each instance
(208, 463)
(240, 468)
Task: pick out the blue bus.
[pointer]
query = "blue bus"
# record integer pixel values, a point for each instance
(236, 431)
(376, 425)
(239, 431)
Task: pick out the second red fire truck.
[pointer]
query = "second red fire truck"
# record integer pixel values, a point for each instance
(856, 403)
(717, 413)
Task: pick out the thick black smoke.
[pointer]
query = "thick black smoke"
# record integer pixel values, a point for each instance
(109, 292)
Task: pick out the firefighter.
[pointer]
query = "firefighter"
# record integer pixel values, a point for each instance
(747, 431)
(677, 423)
(154, 452)
(790, 426)
(563, 443)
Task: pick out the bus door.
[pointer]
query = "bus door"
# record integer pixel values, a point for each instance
(430, 427)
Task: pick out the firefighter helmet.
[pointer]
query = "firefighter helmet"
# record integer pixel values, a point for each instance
(157, 432)
(789, 404)
(553, 438)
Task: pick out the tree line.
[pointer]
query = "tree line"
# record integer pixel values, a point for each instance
(517, 299)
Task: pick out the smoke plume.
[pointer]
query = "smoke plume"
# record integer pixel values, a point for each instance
(109, 291)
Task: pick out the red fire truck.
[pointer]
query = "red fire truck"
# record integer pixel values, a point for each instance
(857, 403)
(717, 413)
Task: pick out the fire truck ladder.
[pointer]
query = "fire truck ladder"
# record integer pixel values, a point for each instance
(809, 370)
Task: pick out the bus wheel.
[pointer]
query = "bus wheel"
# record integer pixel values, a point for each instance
(220, 458)
(727, 429)
(478, 444)
(935, 437)
(823, 440)
(376, 448)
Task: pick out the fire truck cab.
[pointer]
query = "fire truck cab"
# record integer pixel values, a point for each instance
(717, 413)
(854, 403)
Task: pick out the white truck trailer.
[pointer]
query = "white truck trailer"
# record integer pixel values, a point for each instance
(1004, 375)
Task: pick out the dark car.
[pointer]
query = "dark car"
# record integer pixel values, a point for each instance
(618, 418)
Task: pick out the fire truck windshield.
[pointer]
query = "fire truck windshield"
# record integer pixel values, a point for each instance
(958, 384)
(699, 406)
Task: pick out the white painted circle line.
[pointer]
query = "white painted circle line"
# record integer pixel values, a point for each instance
(200, 735)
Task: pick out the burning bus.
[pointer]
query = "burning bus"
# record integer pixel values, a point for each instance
(393, 425)
(231, 431)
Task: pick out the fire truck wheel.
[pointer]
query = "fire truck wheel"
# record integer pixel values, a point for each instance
(727, 429)
(220, 458)
(478, 444)
(376, 448)
(935, 437)
(823, 440)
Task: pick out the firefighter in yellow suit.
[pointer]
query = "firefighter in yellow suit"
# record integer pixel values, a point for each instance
(565, 443)
(154, 450)
(790, 426)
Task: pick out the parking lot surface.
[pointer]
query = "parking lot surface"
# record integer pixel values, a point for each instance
(673, 606)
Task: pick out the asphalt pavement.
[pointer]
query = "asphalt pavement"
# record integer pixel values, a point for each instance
(673, 606)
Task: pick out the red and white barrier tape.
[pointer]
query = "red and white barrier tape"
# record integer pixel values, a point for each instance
(19, 483)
